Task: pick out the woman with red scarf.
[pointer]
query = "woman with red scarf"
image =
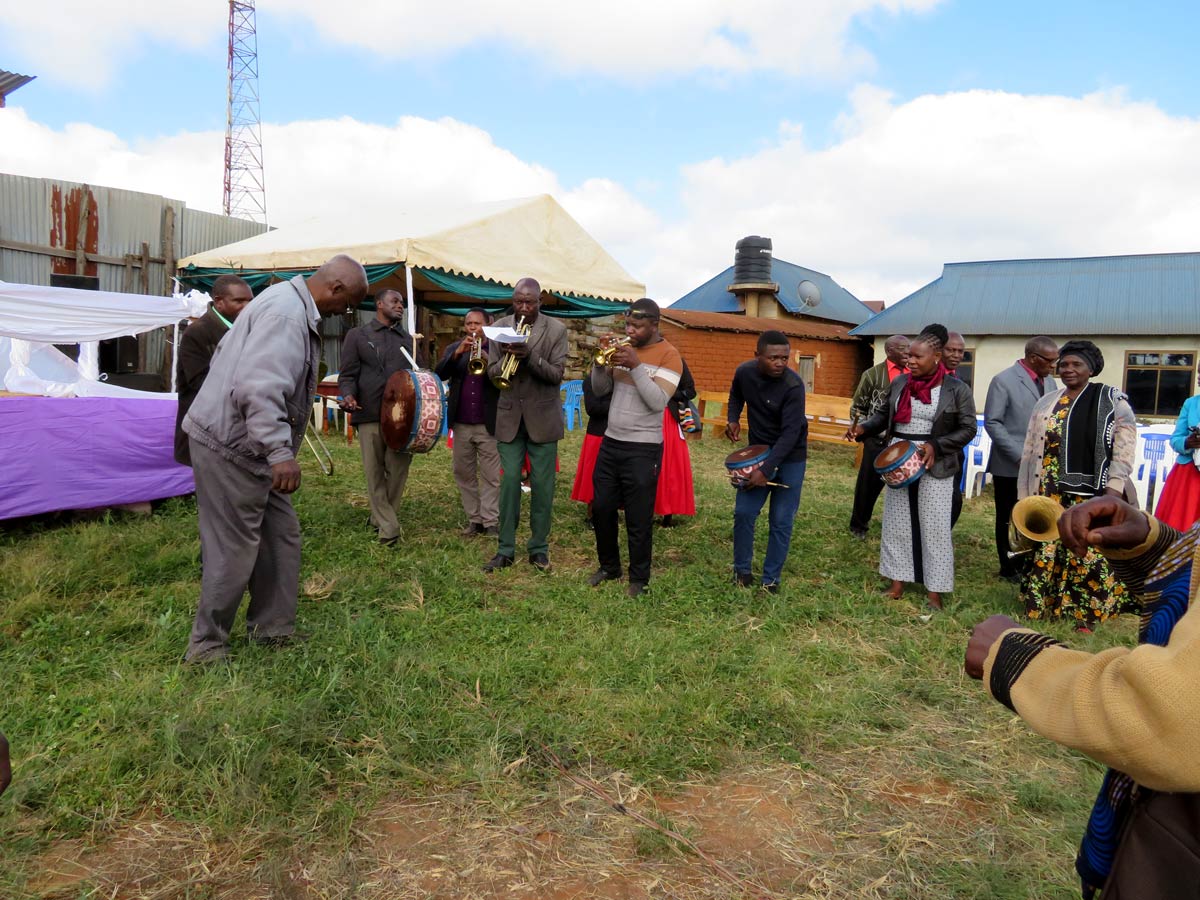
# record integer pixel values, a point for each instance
(936, 411)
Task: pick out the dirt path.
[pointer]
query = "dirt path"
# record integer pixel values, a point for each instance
(792, 833)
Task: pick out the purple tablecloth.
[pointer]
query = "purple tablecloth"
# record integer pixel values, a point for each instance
(84, 452)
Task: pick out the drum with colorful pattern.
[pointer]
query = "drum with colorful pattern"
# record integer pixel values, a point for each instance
(414, 405)
(900, 464)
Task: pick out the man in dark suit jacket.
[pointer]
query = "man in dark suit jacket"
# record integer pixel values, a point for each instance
(529, 421)
(197, 345)
(1011, 397)
(872, 391)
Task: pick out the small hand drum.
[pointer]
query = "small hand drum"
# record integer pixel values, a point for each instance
(900, 464)
(740, 463)
(411, 414)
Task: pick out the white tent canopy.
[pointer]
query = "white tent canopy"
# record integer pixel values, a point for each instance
(502, 241)
(34, 317)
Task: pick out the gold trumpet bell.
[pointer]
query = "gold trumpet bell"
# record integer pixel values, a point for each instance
(1034, 521)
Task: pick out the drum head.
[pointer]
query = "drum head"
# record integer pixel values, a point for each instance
(892, 454)
(743, 455)
(398, 410)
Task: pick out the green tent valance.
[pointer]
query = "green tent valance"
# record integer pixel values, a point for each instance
(492, 295)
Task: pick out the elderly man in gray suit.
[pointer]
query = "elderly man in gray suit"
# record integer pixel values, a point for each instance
(1011, 397)
(529, 422)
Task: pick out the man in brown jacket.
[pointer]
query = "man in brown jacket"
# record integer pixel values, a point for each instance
(529, 421)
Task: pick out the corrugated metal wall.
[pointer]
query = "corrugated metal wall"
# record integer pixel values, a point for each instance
(45, 213)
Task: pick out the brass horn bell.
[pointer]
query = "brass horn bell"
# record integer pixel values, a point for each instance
(1034, 521)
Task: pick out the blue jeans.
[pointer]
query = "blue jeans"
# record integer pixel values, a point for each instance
(784, 503)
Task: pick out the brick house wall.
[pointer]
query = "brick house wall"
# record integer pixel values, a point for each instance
(712, 357)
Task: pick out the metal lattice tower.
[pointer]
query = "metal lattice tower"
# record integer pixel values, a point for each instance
(245, 189)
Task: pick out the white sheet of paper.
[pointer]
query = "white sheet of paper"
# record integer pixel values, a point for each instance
(505, 335)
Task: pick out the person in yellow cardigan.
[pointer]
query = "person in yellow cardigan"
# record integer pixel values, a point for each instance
(1136, 710)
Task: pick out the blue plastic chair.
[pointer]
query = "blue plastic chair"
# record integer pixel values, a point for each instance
(573, 403)
(1155, 447)
(975, 459)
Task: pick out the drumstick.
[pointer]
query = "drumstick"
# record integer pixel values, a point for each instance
(740, 480)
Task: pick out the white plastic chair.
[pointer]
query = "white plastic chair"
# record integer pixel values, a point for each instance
(1152, 460)
(975, 471)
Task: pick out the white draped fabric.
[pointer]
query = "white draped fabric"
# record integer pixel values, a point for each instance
(34, 317)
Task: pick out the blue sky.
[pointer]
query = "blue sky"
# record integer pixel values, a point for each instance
(628, 121)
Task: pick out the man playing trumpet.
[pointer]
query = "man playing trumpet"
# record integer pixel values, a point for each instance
(641, 374)
(472, 410)
(529, 421)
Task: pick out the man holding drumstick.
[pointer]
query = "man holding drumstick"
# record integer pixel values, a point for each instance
(773, 396)
(371, 354)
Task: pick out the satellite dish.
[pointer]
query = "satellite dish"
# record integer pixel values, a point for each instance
(809, 293)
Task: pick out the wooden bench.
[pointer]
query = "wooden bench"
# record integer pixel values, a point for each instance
(828, 417)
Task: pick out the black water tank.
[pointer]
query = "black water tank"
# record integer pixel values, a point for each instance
(752, 260)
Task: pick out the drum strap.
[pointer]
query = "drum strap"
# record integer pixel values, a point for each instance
(913, 437)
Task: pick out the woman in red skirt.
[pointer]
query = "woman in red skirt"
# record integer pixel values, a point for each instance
(675, 496)
(597, 410)
(1179, 502)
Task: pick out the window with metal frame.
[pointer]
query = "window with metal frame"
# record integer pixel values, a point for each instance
(966, 369)
(1158, 382)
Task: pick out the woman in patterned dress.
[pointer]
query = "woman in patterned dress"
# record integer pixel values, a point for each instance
(937, 411)
(1080, 444)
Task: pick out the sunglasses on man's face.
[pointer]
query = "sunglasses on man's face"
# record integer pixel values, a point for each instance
(639, 315)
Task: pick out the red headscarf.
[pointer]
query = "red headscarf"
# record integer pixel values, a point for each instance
(921, 388)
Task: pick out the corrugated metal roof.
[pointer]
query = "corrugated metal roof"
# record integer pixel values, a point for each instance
(10, 81)
(713, 321)
(837, 303)
(1151, 294)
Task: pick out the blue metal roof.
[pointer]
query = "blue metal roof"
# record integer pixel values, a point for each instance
(837, 303)
(1152, 294)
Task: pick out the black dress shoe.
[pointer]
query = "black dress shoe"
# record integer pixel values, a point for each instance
(278, 641)
(499, 561)
(540, 561)
(602, 575)
(637, 588)
(743, 579)
(772, 588)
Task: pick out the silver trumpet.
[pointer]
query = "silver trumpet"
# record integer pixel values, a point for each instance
(477, 364)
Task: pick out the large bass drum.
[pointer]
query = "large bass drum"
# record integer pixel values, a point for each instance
(414, 406)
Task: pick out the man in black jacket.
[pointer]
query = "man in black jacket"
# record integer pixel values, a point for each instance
(472, 410)
(773, 397)
(197, 345)
(371, 353)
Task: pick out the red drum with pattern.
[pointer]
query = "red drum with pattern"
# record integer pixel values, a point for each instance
(414, 406)
(900, 464)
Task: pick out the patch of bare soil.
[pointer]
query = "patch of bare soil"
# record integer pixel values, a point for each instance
(780, 832)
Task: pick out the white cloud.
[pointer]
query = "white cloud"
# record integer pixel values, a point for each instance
(904, 188)
(963, 176)
(82, 41)
(625, 39)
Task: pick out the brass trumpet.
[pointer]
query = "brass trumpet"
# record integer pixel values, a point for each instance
(508, 368)
(604, 355)
(476, 364)
(1034, 521)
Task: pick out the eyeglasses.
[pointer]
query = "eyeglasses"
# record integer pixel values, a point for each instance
(639, 315)
(1052, 360)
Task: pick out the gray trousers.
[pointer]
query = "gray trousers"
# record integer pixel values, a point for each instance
(249, 537)
(387, 474)
(477, 473)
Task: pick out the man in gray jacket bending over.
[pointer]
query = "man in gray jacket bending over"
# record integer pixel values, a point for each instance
(245, 429)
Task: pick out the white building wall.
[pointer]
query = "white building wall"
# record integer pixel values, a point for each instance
(994, 353)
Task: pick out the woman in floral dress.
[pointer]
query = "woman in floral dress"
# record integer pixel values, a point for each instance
(1080, 444)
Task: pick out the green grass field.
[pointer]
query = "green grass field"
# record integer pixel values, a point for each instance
(830, 724)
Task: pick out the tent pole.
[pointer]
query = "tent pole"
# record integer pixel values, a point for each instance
(412, 308)
(174, 361)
